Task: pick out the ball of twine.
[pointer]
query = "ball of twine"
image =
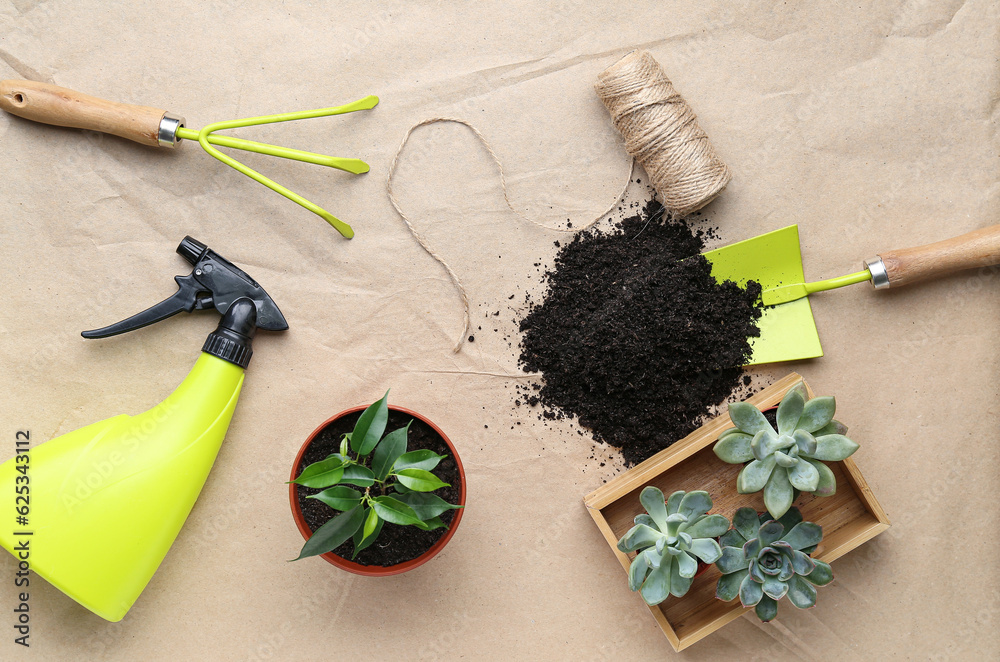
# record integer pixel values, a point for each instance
(662, 133)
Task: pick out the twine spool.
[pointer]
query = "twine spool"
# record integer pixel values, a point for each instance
(662, 133)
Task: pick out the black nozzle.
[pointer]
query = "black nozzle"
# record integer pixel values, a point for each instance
(215, 282)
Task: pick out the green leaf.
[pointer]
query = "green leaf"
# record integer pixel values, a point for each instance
(371, 521)
(367, 530)
(706, 549)
(637, 572)
(804, 534)
(727, 432)
(770, 532)
(370, 426)
(748, 418)
(778, 493)
(766, 609)
(400, 488)
(805, 442)
(333, 534)
(728, 587)
(754, 476)
(827, 485)
(755, 572)
(420, 480)
(652, 557)
(750, 592)
(343, 445)
(426, 505)
(362, 542)
(789, 411)
(674, 524)
(321, 474)
(419, 459)
(710, 526)
(752, 548)
(644, 518)
(340, 497)
(774, 588)
(686, 565)
(833, 427)
(821, 575)
(679, 584)
(392, 446)
(787, 570)
(695, 504)
(801, 593)
(732, 538)
(801, 563)
(789, 519)
(731, 560)
(784, 460)
(431, 524)
(394, 511)
(656, 588)
(637, 537)
(674, 502)
(804, 476)
(358, 475)
(652, 500)
(734, 448)
(746, 523)
(817, 413)
(834, 447)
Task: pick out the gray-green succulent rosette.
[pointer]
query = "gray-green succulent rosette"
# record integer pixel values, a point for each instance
(791, 458)
(670, 538)
(764, 560)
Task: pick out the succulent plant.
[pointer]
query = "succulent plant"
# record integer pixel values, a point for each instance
(669, 538)
(791, 458)
(764, 560)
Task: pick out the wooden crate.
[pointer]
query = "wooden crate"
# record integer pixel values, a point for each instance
(849, 518)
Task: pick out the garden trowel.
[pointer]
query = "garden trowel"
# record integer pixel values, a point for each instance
(787, 328)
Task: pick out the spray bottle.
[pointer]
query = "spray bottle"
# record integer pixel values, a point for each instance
(108, 500)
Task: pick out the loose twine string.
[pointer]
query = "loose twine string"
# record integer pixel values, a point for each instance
(503, 187)
(661, 132)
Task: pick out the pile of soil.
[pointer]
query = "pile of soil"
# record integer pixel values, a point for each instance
(396, 543)
(634, 337)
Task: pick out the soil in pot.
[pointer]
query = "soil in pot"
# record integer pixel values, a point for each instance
(396, 544)
(634, 337)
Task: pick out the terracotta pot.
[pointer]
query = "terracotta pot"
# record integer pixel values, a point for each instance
(374, 570)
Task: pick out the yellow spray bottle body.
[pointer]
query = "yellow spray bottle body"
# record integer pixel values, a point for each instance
(108, 500)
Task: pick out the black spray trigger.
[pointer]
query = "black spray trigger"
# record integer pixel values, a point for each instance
(214, 282)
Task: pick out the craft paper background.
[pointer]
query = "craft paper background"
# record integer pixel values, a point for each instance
(872, 125)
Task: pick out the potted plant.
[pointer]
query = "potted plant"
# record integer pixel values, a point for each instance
(674, 540)
(763, 560)
(789, 460)
(372, 503)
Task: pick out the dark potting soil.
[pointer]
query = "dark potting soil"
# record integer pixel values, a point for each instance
(396, 543)
(634, 337)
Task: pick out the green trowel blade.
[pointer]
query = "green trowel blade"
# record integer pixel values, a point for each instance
(787, 332)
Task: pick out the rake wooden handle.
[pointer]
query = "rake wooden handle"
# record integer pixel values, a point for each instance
(980, 248)
(56, 105)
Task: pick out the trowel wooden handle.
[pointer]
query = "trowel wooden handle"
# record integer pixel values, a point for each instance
(51, 104)
(980, 248)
